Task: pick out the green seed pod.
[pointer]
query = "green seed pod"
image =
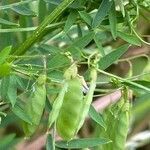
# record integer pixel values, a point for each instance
(69, 115)
(110, 131)
(88, 99)
(111, 120)
(57, 105)
(35, 106)
(122, 128)
(5, 69)
(71, 72)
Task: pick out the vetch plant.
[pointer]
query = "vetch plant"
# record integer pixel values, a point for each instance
(89, 49)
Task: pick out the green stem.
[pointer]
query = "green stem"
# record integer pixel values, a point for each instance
(139, 37)
(132, 57)
(124, 80)
(29, 29)
(53, 134)
(39, 31)
(138, 76)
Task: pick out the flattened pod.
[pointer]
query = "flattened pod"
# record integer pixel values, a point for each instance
(35, 105)
(68, 118)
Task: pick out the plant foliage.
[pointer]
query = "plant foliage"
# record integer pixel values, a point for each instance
(57, 56)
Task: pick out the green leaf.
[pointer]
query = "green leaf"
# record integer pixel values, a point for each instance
(6, 22)
(4, 54)
(56, 76)
(97, 117)
(113, 20)
(23, 10)
(28, 29)
(136, 86)
(102, 12)
(129, 38)
(19, 111)
(76, 47)
(54, 2)
(57, 61)
(42, 11)
(82, 42)
(141, 62)
(6, 141)
(5, 69)
(50, 49)
(76, 5)
(9, 89)
(141, 106)
(49, 143)
(110, 58)
(86, 17)
(143, 82)
(12, 90)
(10, 119)
(15, 4)
(82, 143)
(3, 89)
(70, 20)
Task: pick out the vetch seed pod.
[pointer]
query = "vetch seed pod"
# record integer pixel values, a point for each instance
(35, 105)
(112, 119)
(88, 99)
(69, 115)
(122, 128)
(70, 73)
(57, 105)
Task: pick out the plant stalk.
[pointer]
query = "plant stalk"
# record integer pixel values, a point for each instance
(39, 31)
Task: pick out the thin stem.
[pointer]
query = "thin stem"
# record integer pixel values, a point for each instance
(104, 90)
(28, 29)
(139, 37)
(100, 95)
(53, 135)
(29, 56)
(132, 57)
(124, 80)
(28, 65)
(137, 76)
(25, 73)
